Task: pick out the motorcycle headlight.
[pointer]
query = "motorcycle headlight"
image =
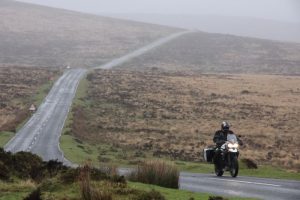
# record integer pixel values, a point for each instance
(235, 145)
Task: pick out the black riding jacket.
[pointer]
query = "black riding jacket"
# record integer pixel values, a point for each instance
(221, 137)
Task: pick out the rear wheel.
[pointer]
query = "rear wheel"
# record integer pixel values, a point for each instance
(234, 168)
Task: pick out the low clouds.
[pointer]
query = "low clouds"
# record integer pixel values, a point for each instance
(282, 10)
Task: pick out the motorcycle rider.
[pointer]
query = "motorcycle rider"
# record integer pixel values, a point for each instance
(225, 134)
(221, 137)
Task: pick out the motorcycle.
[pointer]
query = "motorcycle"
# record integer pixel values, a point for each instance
(224, 158)
(227, 159)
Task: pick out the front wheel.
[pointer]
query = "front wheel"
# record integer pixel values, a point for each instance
(218, 170)
(234, 169)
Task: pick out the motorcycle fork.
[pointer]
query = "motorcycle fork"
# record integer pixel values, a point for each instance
(230, 158)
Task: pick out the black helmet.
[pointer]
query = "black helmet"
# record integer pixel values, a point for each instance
(225, 126)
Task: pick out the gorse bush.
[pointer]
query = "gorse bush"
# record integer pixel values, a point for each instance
(156, 172)
(87, 189)
(4, 172)
(54, 167)
(26, 165)
(69, 175)
(216, 198)
(152, 195)
(35, 195)
(23, 165)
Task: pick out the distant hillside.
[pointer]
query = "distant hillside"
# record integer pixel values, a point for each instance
(218, 53)
(240, 26)
(37, 35)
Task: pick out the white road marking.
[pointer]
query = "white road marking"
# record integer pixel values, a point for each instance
(248, 182)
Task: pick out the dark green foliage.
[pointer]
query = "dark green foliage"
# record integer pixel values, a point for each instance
(216, 198)
(69, 175)
(118, 179)
(152, 195)
(87, 189)
(53, 167)
(27, 165)
(22, 164)
(6, 157)
(98, 174)
(35, 195)
(4, 172)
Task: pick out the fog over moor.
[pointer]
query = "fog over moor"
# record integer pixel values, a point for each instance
(269, 19)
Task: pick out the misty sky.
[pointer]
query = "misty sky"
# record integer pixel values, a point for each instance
(282, 10)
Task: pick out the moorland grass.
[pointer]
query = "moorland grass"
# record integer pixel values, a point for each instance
(173, 194)
(156, 172)
(78, 152)
(5, 136)
(37, 99)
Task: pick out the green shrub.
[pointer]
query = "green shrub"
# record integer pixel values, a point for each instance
(27, 165)
(35, 195)
(6, 158)
(103, 159)
(54, 167)
(98, 174)
(100, 195)
(118, 179)
(159, 173)
(216, 198)
(4, 172)
(69, 175)
(152, 195)
(87, 190)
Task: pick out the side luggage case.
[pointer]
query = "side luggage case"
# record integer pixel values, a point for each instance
(208, 154)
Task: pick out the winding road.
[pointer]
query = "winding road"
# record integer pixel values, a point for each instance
(40, 135)
(260, 188)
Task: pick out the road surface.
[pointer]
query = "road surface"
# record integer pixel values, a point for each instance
(142, 50)
(40, 135)
(261, 188)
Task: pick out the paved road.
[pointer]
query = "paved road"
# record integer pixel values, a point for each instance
(261, 188)
(41, 133)
(142, 50)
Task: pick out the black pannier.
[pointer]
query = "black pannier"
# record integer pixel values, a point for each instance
(208, 154)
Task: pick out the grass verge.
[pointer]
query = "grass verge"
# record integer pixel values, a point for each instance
(15, 190)
(5, 137)
(173, 194)
(78, 151)
(157, 172)
(19, 190)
